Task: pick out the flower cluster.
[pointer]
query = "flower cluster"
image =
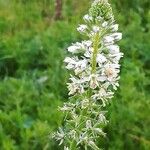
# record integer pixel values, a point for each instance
(95, 63)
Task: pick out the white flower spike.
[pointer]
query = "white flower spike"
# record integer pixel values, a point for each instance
(96, 73)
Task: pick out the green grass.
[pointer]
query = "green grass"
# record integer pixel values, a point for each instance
(33, 78)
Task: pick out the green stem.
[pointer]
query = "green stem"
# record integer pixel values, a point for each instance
(95, 51)
(73, 145)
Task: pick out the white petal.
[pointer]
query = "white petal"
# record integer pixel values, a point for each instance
(104, 24)
(96, 29)
(114, 27)
(101, 58)
(113, 49)
(82, 28)
(87, 17)
(117, 36)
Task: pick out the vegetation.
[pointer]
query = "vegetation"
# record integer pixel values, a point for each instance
(33, 78)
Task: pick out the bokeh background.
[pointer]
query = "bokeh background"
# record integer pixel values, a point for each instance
(33, 37)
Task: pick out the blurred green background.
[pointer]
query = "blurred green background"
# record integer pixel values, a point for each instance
(33, 78)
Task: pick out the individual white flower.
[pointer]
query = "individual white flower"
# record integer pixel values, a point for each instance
(111, 71)
(117, 36)
(99, 131)
(102, 118)
(104, 24)
(87, 18)
(93, 145)
(71, 62)
(84, 103)
(72, 134)
(103, 95)
(88, 124)
(114, 83)
(113, 49)
(94, 83)
(108, 40)
(67, 107)
(115, 58)
(66, 148)
(82, 28)
(87, 43)
(77, 65)
(68, 59)
(101, 58)
(83, 138)
(96, 29)
(79, 47)
(88, 52)
(99, 18)
(59, 135)
(114, 27)
(75, 86)
(94, 80)
(73, 49)
(80, 66)
(76, 47)
(75, 117)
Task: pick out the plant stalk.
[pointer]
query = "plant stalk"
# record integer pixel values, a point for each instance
(95, 51)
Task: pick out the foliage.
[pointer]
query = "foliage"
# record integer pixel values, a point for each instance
(32, 75)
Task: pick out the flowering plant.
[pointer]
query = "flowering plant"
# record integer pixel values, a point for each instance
(95, 63)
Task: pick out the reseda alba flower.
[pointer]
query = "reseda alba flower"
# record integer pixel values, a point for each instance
(95, 63)
(82, 28)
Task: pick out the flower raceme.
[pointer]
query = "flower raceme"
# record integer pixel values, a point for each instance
(95, 63)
